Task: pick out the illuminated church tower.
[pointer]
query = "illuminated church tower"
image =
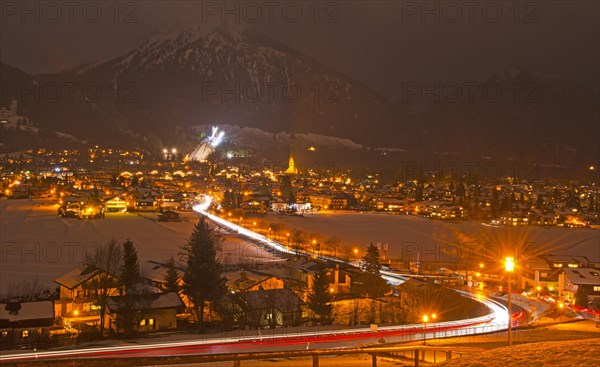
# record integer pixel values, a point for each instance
(291, 170)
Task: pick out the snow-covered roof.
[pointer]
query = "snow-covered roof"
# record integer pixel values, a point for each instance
(76, 276)
(146, 302)
(282, 299)
(245, 279)
(583, 276)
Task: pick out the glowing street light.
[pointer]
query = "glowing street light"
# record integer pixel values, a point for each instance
(425, 319)
(509, 266)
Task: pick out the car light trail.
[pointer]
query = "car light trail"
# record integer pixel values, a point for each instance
(495, 321)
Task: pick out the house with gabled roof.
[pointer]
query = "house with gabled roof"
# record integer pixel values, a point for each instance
(251, 280)
(77, 293)
(573, 280)
(264, 308)
(153, 312)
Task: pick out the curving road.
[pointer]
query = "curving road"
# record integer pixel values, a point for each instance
(496, 320)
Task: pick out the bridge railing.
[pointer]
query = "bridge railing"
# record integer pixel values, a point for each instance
(417, 353)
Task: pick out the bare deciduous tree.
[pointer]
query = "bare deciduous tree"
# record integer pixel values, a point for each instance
(107, 259)
(27, 290)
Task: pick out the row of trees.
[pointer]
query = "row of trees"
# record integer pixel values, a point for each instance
(202, 280)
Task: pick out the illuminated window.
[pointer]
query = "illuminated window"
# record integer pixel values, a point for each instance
(558, 265)
(25, 334)
(143, 322)
(597, 288)
(4, 334)
(151, 322)
(573, 266)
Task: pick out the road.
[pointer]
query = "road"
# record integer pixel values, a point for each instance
(495, 321)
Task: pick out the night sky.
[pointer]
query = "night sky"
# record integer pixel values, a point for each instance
(378, 43)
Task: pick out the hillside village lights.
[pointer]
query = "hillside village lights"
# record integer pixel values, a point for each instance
(509, 266)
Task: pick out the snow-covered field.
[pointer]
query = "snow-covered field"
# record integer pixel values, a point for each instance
(36, 243)
(409, 234)
(556, 354)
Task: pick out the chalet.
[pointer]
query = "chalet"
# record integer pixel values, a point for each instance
(147, 204)
(560, 261)
(543, 271)
(153, 311)
(264, 308)
(388, 204)
(447, 212)
(154, 279)
(513, 219)
(115, 204)
(537, 272)
(298, 275)
(573, 280)
(78, 293)
(25, 322)
(541, 218)
(169, 200)
(247, 280)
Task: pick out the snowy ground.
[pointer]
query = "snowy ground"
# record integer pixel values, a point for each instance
(545, 354)
(571, 344)
(36, 243)
(409, 234)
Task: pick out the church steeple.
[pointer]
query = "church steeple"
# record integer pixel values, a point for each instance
(291, 170)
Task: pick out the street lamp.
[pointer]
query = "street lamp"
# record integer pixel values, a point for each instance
(509, 266)
(425, 319)
(355, 254)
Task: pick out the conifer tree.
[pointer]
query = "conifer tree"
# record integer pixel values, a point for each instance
(202, 280)
(320, 298)
(172, 276)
